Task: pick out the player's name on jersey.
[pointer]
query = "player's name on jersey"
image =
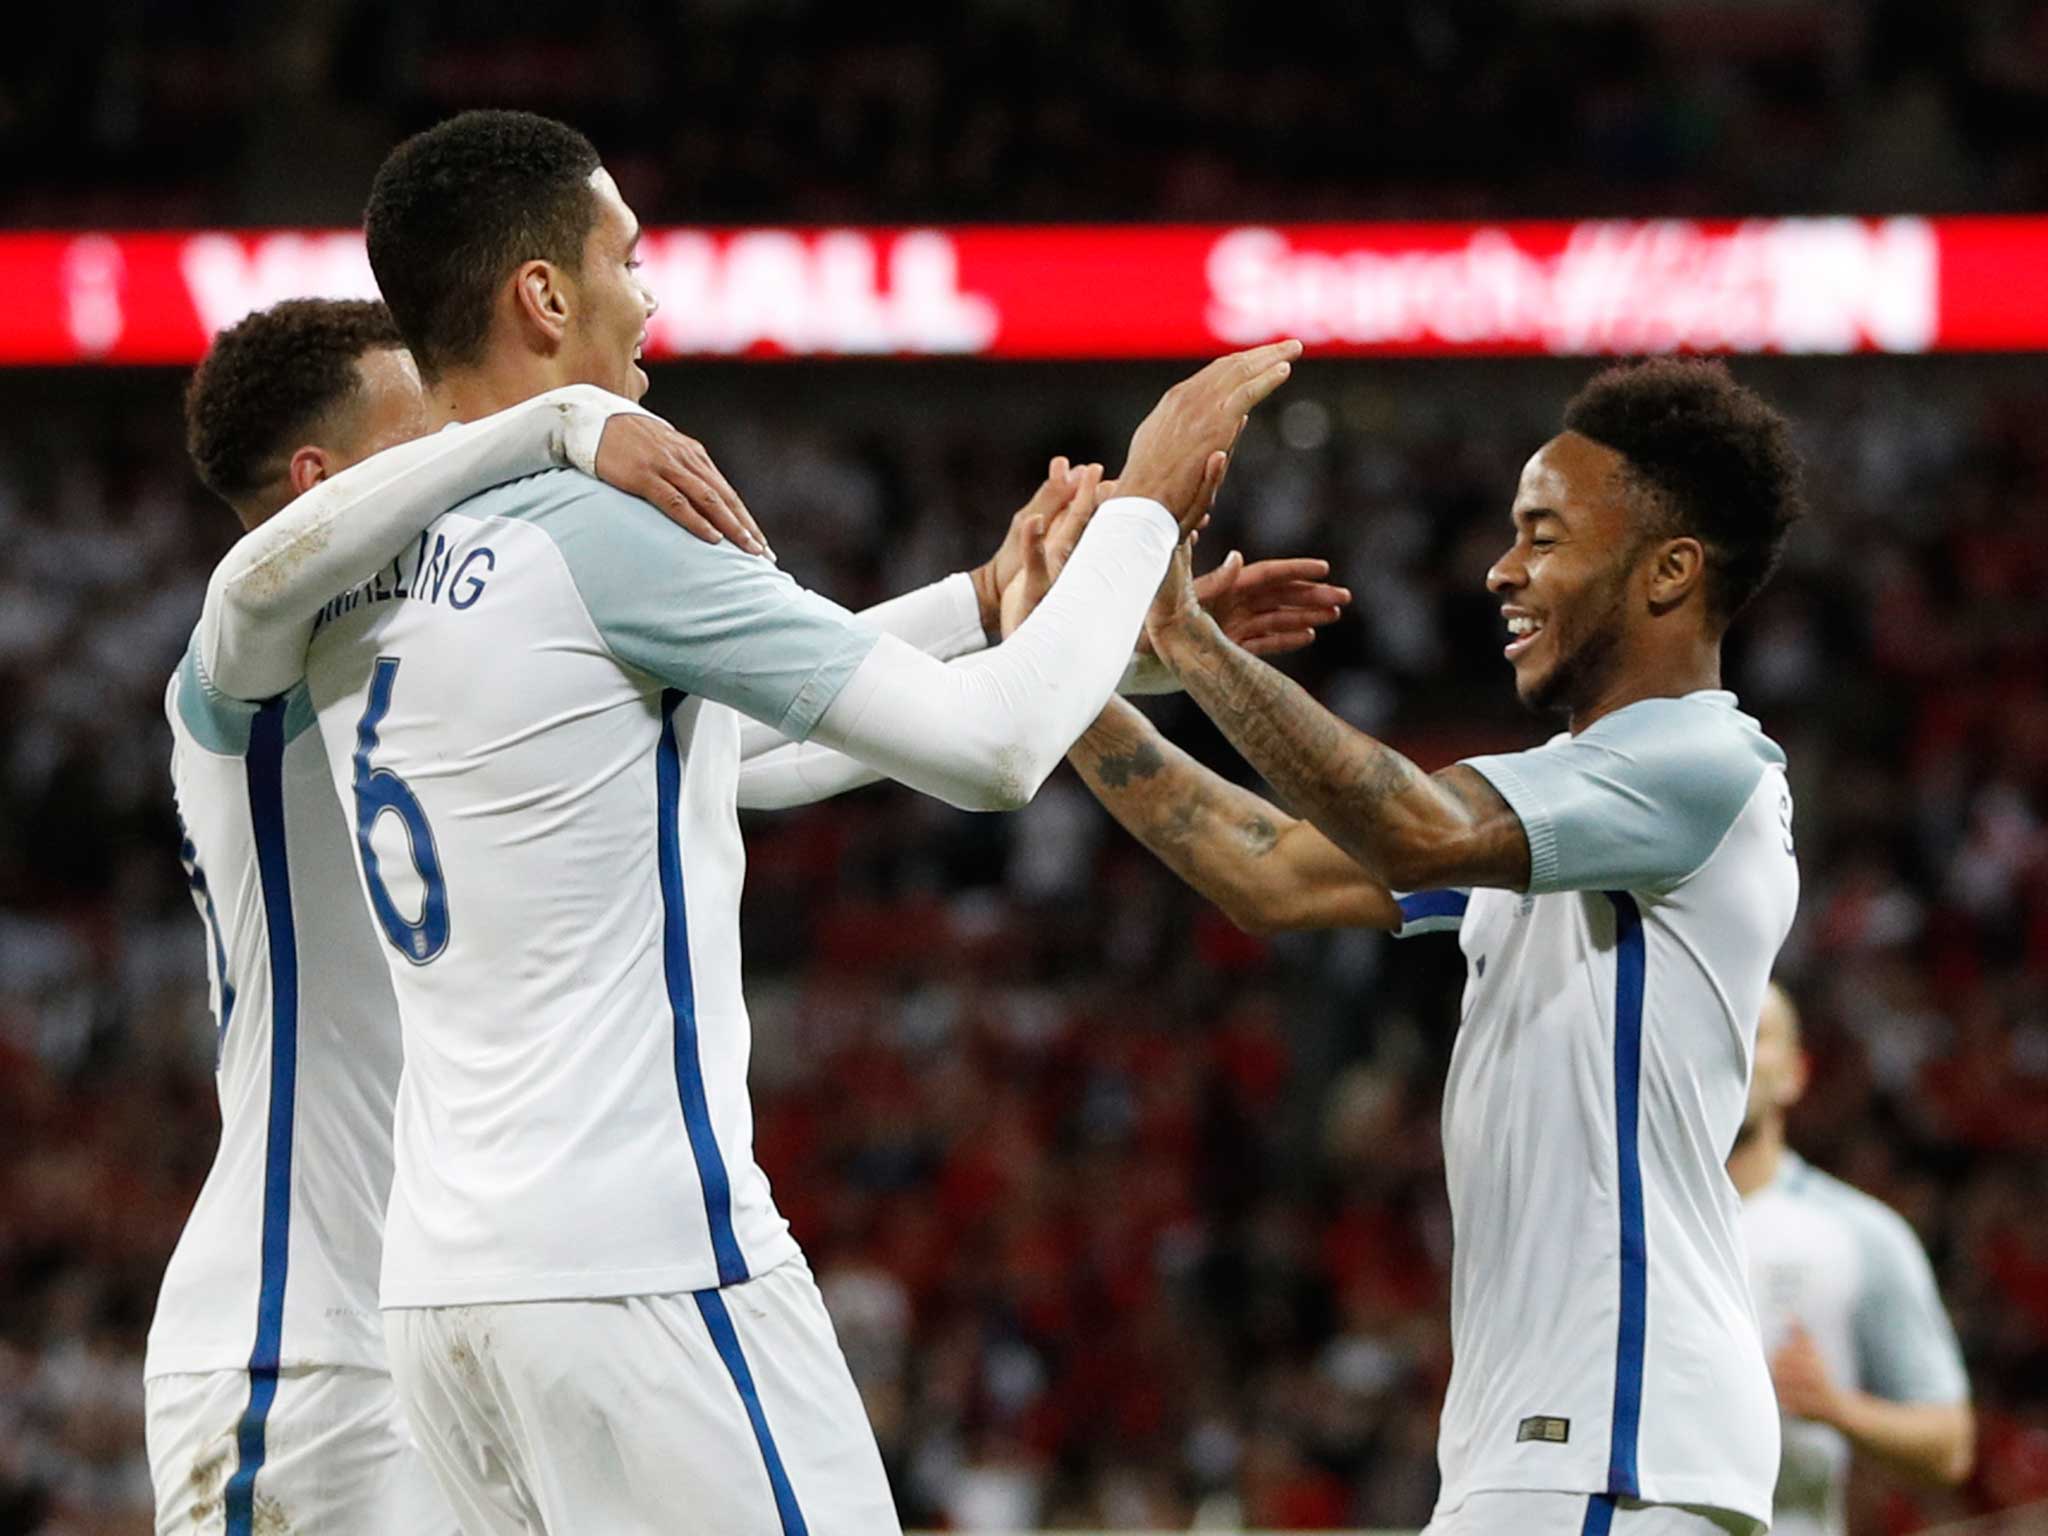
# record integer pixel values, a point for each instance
(447, 574)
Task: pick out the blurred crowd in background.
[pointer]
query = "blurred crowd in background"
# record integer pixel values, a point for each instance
(203, 111)
(1126, 1219)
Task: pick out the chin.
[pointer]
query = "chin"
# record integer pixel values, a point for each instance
(1539, 694)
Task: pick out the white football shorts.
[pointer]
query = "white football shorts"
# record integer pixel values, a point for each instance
(1531, 1513)
(729, 1412)
(326, 1449)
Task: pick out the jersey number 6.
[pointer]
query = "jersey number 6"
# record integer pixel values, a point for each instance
(379, 791)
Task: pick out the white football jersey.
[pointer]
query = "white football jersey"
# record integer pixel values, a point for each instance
(1602, 1335)
(519, 715)
(277, 1266)
(1849, 1270)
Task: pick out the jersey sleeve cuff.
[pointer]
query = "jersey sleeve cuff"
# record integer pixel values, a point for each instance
(1145, 510)
(826, 683)
(1526, 802)
(964, 634)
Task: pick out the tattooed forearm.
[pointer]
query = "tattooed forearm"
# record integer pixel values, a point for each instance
(1142, 761)
(1210, 832)
(1367, 798)
(1266, 870)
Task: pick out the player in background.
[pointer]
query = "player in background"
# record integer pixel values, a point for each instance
(269, 1401)
(1860, 1349)
(1619, 894)
(596, 1316)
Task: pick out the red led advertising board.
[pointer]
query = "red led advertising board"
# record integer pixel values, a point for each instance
(1796, 286)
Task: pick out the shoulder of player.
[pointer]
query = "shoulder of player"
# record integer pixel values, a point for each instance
(1699, 745)
(586, 517)
(215, 723)
(1879, 1230)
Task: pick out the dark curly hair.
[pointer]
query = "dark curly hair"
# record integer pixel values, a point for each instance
(1717, 459)
(455, 209)
(268, 379)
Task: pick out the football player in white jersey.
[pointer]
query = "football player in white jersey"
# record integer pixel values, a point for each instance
(269, 1402)
(596, 1317)
(1862, 1354)
(1619, 894)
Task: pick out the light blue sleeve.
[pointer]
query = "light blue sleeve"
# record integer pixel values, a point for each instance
(220, 724)
(1637, 801)
(1906, 1348)
(705, 618)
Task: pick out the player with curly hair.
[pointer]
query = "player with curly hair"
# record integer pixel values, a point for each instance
(1619, 893)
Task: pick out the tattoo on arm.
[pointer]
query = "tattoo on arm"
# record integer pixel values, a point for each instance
(1405, 827)
(1117, 769)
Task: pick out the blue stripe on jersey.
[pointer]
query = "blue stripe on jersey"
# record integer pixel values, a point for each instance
(265, 770)
(1599, 1515)
(1433, 906)
(1629, 964)
(682, 1000)
(719, 1322)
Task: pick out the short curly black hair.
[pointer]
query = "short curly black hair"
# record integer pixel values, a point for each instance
(455, 209)
(268, 379)
(1716, 456)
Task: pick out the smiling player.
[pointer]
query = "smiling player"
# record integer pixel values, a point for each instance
(269, 1402)
(596, 1315)
(1619, 892)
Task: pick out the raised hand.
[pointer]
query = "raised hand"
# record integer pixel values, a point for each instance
(1197, 419)
(993, 576)
(1269, 607)
(646, 457)
(1047, 536)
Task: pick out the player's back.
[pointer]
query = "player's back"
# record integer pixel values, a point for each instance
(548, 837)
(1604, 1341)
(277, 1266)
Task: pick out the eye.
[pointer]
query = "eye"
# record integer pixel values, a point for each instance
(1543, 542)
(632, 263)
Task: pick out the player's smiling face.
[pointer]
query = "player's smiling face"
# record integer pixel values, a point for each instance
(1565, 581)
(614, 304)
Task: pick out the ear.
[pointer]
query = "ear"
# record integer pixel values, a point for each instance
(308, 467)
(1678, 568)
(541, 299)
(1797, 1076)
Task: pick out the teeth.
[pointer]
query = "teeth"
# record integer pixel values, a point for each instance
(1523, 626)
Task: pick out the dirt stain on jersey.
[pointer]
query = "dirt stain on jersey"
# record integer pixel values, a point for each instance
(470, 1339)
(208, 1481)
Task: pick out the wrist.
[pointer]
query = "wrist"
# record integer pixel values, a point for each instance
(1842, 1412)
(988, 598)
(1181, 633)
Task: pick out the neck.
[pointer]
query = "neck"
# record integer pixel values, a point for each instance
(1660, 673)
(1758, 1154)
(503, 379)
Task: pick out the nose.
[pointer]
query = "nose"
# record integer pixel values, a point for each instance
(1507, 574)
(648, 302)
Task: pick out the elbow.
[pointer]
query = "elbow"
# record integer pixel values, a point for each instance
(1004, 779)
(1253, 915)
(1007, 776)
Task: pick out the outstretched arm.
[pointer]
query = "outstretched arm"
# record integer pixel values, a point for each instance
(1266, 870)
(1409, 830)
(261, 599)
